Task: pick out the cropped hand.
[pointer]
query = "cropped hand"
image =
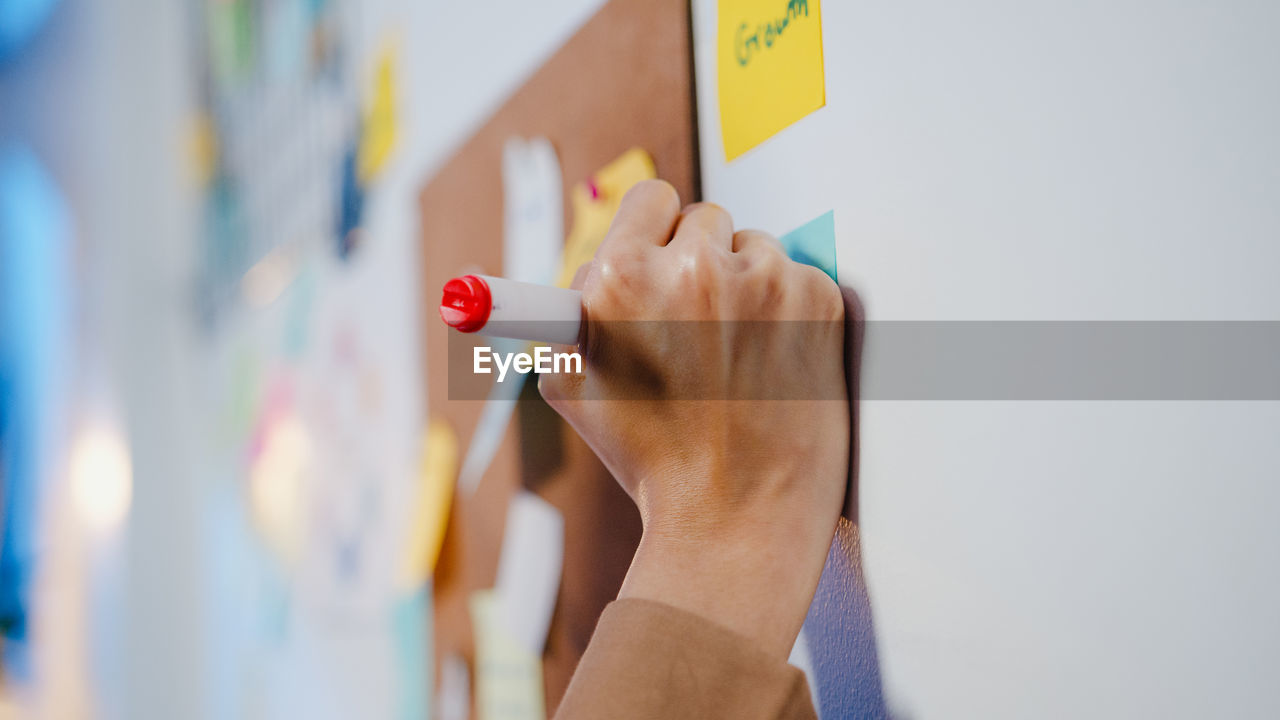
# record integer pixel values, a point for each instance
(713, 390)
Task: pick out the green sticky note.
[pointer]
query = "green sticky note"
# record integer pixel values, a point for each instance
(509, 677)
(814, 243)
(411, 635)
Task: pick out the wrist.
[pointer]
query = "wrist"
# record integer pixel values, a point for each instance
(756, 578)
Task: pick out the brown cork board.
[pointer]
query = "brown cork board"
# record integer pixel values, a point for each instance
(624, 79)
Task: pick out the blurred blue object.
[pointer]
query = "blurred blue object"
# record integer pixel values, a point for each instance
(35, 232)
(19, 21)
(350, 205)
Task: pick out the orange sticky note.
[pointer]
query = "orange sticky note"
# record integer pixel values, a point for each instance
(769, 59)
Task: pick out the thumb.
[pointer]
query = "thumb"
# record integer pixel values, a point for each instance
(556, 388)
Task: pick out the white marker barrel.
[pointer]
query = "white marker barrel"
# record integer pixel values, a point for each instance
(498, 307)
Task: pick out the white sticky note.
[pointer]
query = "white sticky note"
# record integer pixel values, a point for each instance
(494, 418)
(533, 211)
(532, 245)
(529, 570)
(454, 700)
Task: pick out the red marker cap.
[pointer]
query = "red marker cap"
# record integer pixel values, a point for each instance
(466, 303)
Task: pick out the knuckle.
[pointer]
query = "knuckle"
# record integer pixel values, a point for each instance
(769, 261)
(580, 275)
(834, 306)
(656, 191)
(711, 222)
(700, 262)
(766, 274)
(617, 251)
(772, 288)
(752, 240)
(717, 214)
(608, 285)
(766, 237)
(825, 296)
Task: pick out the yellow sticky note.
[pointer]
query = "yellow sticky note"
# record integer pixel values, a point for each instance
(769, 55)
(202, 148)
(508, 676)
(437, 476)
(378, 135)
(595, 203)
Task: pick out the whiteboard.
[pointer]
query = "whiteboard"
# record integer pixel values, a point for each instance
(1090, 160)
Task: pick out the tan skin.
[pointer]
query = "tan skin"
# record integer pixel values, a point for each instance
(739, 498)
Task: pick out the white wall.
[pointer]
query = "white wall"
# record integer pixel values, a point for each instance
(1093, 160)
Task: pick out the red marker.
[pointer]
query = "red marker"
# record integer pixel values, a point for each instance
(498, 307)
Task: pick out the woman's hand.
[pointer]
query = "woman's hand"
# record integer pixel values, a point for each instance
(713, 390)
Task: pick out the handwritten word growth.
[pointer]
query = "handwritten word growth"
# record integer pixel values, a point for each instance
(747, 44)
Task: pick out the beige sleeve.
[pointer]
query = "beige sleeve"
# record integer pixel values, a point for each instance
(649, 660)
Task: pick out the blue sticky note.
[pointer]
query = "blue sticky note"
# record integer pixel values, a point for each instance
(814, 243)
